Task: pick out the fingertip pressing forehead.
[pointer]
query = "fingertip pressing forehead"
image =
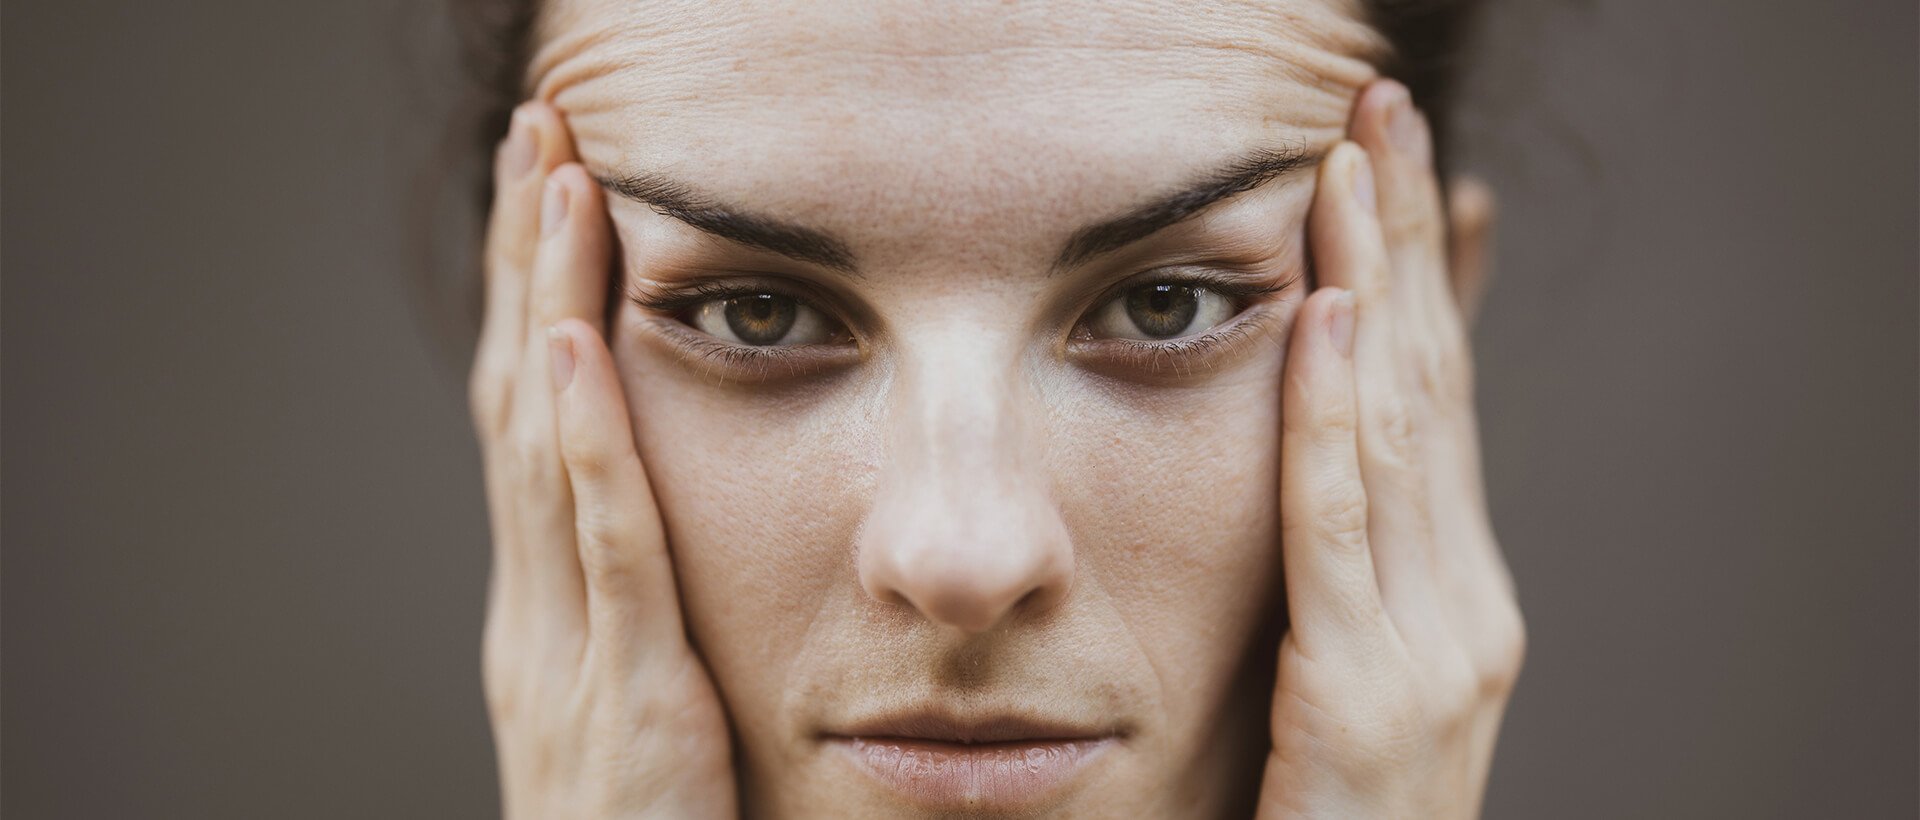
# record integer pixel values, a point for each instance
(945, 111)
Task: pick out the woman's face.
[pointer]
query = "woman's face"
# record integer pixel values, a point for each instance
(954, 356)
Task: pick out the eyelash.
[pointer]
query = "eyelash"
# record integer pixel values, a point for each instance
(669, 305)
(1188, 355)
(1180, 355)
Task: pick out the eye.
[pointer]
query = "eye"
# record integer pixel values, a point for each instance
(762, 320)
(1160, 311)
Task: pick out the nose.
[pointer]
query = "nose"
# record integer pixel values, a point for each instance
(963, 529)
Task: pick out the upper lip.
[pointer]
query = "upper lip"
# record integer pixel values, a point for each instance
(942, 726)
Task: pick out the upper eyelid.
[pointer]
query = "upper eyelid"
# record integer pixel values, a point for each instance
(1225, 284)
(678, 298)
(686, 296)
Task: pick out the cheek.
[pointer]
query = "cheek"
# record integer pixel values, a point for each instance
(761, 498)
(1169, 494)
(1172, 499)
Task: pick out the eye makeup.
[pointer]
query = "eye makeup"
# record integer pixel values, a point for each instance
(676, 314)
(1230, 307)
(1258, 305)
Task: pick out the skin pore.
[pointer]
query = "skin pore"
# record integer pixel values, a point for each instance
(965, 492)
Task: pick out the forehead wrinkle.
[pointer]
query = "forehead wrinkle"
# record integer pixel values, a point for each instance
(578, 43)
(935, 142)
(1314, 41)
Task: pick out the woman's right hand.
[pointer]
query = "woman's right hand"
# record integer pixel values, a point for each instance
(600, 708)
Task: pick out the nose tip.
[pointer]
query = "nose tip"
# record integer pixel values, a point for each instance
(971, 587)
(964, 529)
(966, 571)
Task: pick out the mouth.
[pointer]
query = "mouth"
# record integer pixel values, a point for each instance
(939, 761)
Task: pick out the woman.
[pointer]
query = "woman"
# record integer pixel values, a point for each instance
(920, 410)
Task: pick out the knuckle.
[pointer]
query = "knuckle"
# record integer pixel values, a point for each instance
(497, 679)
(1457, 690)
(600, 530)
(1507, 650)
(1416, 229)
(1327, 424)
(586, 459)
(488, 387)
(503, 702)
(532, 450)
(504, 255)
(1445, 370)
(1341, 519)
(1336, 426)
(1399, 442)
(1374, 286)
(1427, 362)
(602, 554)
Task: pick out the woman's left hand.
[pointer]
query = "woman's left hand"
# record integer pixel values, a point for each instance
(1405, 636)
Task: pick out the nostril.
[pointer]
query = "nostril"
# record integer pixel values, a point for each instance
(964, 558)
(1026, 603)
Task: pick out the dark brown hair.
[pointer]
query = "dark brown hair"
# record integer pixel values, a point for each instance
(1425, 39)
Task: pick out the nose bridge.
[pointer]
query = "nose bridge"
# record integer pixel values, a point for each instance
(961, 416)
(964, 529)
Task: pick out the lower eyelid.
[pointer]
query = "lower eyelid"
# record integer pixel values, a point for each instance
(701, 351)
(1222, 346)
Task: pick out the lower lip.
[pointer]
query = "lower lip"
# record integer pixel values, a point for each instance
(1014, 774)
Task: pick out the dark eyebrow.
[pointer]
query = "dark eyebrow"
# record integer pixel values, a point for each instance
(670, 198)
(675, 199)
(1238, 176)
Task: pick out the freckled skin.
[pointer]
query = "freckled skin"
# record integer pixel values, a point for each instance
(955, 147)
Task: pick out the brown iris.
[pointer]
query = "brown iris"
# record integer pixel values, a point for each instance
(762, 318)
(1162, 311)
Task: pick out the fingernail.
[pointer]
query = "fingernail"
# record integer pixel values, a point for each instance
(1363, 182)
(560, 346)
(1408, 130)
(553, 206)
(1340, 324)
(520, 148)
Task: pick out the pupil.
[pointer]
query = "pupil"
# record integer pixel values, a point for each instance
(1162, 311)
(761, 319)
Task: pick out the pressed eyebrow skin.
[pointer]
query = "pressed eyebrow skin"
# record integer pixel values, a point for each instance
(675, 199)
(670, 198)
(1239, 176)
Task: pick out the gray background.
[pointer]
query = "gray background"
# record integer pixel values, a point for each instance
(244, 534)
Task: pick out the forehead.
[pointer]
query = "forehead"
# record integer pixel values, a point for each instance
(959, 113)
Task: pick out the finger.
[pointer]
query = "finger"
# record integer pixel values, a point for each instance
(570, 259)
(1397, 142)
(1469, 579)
(1333, 596)
(1499, 665)
(570, 270)
(1470, 206)
(536, 141)
(1435, 345)
(491, 381)
(632, 604)
(1435, 352)
(1433, 337)
(1350, 251)
(576, 240)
